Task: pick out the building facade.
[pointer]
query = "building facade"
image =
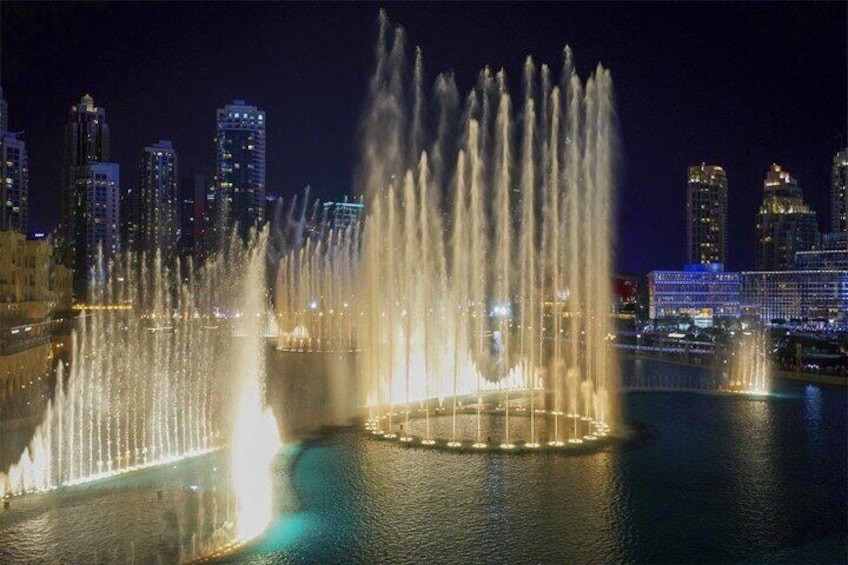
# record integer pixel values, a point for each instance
(701, 291)
(833, 254)
(154, 202)
(86, 141)
(14, 176)
(31, 283)
(14, 182)
(777, 296)
(839, 193)
(240, 167)
(344, 214)
(196, 202)
(785, 223)
(706, 214)
(96, 224)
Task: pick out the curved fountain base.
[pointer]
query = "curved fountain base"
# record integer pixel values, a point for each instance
(544, 432)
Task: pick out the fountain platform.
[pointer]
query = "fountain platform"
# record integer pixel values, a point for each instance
(486, 431)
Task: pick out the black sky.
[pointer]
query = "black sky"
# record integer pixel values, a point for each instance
(741, 85)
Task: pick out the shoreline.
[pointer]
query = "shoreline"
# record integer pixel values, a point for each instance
(815, 378)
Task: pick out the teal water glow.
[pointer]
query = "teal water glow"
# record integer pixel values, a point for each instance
(714, 479)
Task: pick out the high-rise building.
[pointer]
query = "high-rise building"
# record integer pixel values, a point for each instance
(240, 167)
(14, 182)
(839, 193)
(86, 142)
(154, 202)
(832, 254)
(706, 209)
(785, 223)
(97, 220)
(129, 227)
(195, 206)
(14, 176)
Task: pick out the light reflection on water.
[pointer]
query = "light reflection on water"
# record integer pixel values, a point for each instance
(717, 479)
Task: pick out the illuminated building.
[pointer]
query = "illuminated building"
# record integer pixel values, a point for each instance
(154, 204)
(240, 167)
(839, 193)
(341, 215)
(96, 224)
(14, 176)
(706, 210)
(195, 204)
(785, 224)
(701, 291)
(86, 142)
(833, 254)
(796, 295)
(31, 284)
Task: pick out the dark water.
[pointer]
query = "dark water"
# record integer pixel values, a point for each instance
(713, 479)
(718, 479)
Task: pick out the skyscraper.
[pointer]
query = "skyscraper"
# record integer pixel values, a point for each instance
(240, 167)
(86, 142)
(785, 223)
(14, 176)
(154, 205)
(839, 193)
(90, 195)
(97, 219)
(706, 210)
(196, 198)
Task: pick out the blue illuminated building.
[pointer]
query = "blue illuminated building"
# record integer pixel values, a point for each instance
(703, 291)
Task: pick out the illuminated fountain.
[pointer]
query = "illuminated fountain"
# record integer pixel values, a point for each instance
(315, 289)
(256, 438)
(166, 367)
(751, 368)
(140, 390)
(479, 280)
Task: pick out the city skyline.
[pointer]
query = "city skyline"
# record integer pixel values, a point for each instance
(312, 135)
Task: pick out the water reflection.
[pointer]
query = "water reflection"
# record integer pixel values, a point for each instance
(718, 479)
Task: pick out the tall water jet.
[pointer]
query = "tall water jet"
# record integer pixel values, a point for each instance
(480, 276)
(510, 301)
(256, 438)
(751, 368)
(142, 387)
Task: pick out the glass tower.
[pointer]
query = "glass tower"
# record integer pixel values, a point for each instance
(90, 196)
(97, 220)
(240, 167)
(785, 223)
(86, 142)
(14, 176)
(155, 200)
(839, 193)
(706, 207)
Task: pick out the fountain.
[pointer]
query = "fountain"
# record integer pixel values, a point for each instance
(751, 368)
(487, 251)
(256, 438)
(480, 278)
(140, 389)
(151, 360)
(315, 287)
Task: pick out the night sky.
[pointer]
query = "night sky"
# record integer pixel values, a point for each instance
(737, 85)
